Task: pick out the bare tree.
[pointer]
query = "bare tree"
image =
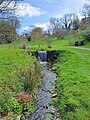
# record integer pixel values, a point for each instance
(5, 3)
(14, 22)
(86, 10)
(66, 21)
(85, 22)
(55, 25)
(7, 8)
(70, 21)
(74, 21)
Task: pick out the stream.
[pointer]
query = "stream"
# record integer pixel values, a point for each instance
(43, 108)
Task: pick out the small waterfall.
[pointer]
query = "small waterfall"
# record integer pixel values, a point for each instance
(42, 56)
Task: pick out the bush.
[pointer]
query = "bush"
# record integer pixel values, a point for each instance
(86, 34)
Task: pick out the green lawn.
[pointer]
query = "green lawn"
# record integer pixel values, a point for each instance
(73, 84)
(38, 44)
(18, 74)
(87, 45)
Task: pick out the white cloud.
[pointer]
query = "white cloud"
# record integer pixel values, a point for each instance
(44, 26)
(27, 28)
(26, 10)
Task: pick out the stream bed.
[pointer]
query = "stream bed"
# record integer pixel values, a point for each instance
(43, 108)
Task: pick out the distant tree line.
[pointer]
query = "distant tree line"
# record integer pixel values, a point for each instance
(70, 22)
(60, 27)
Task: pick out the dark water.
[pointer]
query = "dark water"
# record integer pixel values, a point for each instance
(43, 109)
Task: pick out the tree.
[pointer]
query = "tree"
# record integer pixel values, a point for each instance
(55, 25)
(5, 3)
(66, 21)
(36, 33)
(7, 8)
(6, 36)
(61, 34)
(9, 23)
(74, 21)
(70, 21)
(85, 22)
(86, 10)
(14, 22)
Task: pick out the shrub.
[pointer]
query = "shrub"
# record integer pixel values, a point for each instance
(24, 97)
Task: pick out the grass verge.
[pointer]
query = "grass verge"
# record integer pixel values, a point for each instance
(20, 78)
(73, 84)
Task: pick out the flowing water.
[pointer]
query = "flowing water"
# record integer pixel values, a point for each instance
(42, 57)
(43, 109)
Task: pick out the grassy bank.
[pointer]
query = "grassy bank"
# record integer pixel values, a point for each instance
(20, 77)
(53, 43)
(73, 84)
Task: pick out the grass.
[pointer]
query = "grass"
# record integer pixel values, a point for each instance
(73, 84)
(21, 72)
(18, 73)
(38, 45)
(87, 45)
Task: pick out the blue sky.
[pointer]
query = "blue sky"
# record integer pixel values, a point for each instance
(39, 12)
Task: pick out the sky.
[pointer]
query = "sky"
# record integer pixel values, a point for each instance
(39, 12)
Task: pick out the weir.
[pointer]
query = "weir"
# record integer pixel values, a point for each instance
(42, 56)
(46, 56)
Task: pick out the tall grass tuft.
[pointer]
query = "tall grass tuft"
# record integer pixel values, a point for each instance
(32, 79)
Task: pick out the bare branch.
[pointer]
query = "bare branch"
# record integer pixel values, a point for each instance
(5, 3)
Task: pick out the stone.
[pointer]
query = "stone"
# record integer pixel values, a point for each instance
(54, 95)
